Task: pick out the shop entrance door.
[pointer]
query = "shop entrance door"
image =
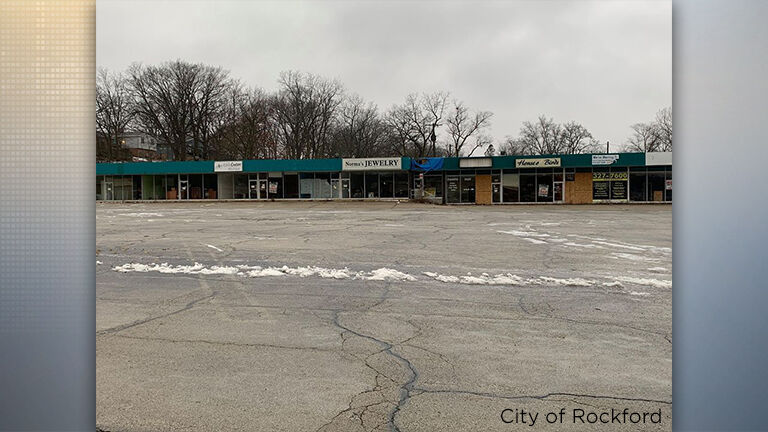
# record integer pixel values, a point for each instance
(183, 189)
(345, 188)
(108, 195)
(253, 189)
(335, 191)
(263, 189)
(557, 190)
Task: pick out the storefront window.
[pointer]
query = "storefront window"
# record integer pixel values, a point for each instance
(511, 187)
(452, 186)
(357, 185)
(372, 185)
(527, 188)
(544, 191)
(291, 185)
(241, 186)
(387, 185)
(147, 187)
(656, 184)
(305, 185)
(668, 184)
(275, 187)
(433, 186)
(401, 185)
(637, 186)
(171, 187)
(322, 188)
(618, 183)
(99, 188)
(211, 184)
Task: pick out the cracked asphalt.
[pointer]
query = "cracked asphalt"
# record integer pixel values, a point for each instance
(588, 327)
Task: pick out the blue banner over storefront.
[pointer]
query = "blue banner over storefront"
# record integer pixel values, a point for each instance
(427, 164)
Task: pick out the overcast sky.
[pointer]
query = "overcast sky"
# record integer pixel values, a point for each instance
(605, 64)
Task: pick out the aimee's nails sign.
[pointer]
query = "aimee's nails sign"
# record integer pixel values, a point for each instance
(537, 163)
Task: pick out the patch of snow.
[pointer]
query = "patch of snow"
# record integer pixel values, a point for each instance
(566, 282)
(632, 257)
(386, 274)
(656, 283)
(636, 293)
(658, 269)
(524, 233)
(214, 247)
(589, 246)
(612, 284)
(99, 262)
(141, 214)
(534, 241)
(635, 248)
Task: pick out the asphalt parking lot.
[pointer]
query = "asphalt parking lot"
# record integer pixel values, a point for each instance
(351, 316)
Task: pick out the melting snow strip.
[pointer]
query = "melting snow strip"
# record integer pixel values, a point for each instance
(383, 274)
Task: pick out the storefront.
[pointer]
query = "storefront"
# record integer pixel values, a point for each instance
(551, 179)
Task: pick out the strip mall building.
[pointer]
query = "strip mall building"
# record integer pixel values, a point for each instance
(566, 179)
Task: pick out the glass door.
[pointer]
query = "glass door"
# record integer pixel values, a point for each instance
(558, 191)
(263, 189)
(496, 188)
(335, 191)
(183, 189)
(108, 195)
(253, 189)
(345, 188)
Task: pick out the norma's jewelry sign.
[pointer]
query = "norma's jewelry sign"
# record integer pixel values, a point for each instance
(537, 163)
(371, 164)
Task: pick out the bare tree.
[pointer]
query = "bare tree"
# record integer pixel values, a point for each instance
(209, 101)
(654, 136)
(415, 123)
(644, 138)
(664, 128)
(114, 114)
(303, 114)
(543, 136)
(165, 102)
(246, 132)
(513, 147)
(360, 132)
(462, 125)
(575, 138)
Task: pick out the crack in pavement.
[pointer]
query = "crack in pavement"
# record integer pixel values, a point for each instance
(239, 344)
(186, 307)
(521, 304)
(420, 391)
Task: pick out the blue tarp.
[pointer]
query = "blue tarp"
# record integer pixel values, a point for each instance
(427, 164)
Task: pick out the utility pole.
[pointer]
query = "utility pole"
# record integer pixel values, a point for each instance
(607, 146)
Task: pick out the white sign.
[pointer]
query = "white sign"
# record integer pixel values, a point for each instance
(475, 162)
(537, 163)
(604, 159)
(228, 166)
(368, 164)
(658, 158)
(669, 184)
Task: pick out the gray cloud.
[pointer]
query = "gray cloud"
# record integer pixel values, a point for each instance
(604, 64)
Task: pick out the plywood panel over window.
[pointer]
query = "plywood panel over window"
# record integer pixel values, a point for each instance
(579, 191)
(483, 185)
